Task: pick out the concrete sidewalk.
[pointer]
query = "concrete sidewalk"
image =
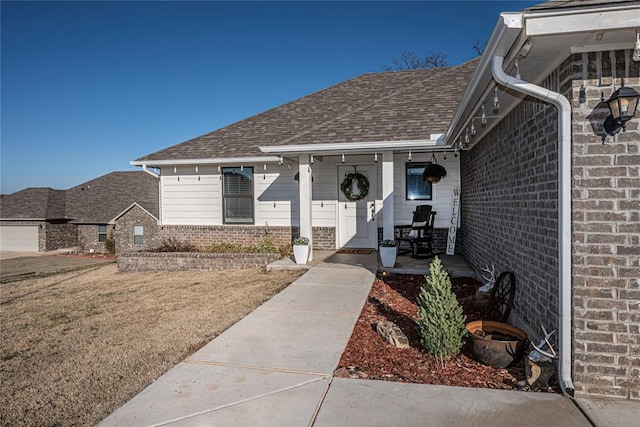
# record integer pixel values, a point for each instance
(275, 366)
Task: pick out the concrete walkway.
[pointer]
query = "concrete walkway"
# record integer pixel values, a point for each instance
(274, 368)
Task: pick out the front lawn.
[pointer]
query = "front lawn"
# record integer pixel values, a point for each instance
(76, 346)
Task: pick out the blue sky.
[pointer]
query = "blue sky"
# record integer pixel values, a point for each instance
(87, 87)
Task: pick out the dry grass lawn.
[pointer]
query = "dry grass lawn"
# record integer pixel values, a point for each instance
(78, 345)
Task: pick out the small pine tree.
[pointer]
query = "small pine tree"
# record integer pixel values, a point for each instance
(441, 324)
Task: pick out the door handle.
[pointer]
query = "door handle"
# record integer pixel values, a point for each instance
(373, 211)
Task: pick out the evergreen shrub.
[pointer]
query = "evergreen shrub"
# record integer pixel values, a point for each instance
(441, 324)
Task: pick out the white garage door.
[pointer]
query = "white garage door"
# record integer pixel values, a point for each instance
(19, 238)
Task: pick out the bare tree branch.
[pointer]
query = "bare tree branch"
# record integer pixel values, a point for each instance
(476, 47)
(408, 60)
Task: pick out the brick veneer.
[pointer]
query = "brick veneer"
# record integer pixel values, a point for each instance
(509, 216)
(60, 235)
(88, 238)
(149, 261)
(204, 235)
(123, 231)
(606, 236)
(509, 209)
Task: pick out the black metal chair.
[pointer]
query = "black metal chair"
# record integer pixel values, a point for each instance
(417, 238)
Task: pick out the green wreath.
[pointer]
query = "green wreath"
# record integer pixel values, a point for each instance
(362, 184)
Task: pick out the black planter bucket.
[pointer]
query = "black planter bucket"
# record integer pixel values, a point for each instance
(502, 346)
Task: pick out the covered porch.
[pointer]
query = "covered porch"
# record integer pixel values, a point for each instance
(394, 188)
(405, 264)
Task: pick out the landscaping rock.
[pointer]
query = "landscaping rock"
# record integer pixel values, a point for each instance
(392, 333)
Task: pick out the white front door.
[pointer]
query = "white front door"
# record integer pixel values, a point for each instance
(357, 220)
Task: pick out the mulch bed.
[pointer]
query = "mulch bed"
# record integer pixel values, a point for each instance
(369, 356)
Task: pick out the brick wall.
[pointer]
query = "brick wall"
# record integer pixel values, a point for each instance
(509, 216)
(123, 231)
(147, 261)
(606, 234)
(60, 235)
(509, 208)
(88, 238)
(203, 235)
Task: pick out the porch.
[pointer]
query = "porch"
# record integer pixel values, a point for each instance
(405, 264)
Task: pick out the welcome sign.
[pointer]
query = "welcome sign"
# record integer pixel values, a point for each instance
(453, 225)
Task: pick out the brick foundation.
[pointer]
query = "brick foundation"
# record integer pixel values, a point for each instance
(149, 261)
(324, 238)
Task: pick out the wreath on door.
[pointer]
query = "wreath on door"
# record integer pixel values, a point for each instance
(355, 186)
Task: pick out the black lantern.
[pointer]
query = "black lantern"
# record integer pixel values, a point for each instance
(622, 104)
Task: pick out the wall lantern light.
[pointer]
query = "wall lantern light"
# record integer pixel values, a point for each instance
(622, 104)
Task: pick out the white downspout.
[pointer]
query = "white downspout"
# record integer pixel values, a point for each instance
(564, 208)
(153, 174)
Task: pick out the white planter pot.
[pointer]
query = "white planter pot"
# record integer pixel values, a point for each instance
(301, 253)
(388, 255)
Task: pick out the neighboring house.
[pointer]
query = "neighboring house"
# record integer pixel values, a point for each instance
(42, 219)
(541, 194)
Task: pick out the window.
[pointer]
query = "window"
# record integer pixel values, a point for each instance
(237, 195)
(417, 188)
(138, 234)
(102, 233)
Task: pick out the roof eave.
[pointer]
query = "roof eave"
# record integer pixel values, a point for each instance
(513, 31)
(354, 147)
(507, 30)
(211, 161)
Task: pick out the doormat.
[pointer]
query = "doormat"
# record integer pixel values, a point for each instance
(354, 251)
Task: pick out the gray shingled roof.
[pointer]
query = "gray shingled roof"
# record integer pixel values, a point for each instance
(34, 203)
(389, 106)
(101, 199)
(95, 202)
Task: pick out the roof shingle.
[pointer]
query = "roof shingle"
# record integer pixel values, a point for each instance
(95, 202)
(373, 107)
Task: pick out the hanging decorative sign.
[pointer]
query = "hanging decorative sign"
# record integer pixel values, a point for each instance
(453, 225)
(355, 186)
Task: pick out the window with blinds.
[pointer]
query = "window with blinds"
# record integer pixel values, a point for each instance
(237, 195)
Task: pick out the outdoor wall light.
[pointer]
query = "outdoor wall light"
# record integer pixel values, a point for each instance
(622, 104)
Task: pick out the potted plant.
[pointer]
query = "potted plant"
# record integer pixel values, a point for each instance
(301, 250)
(388, 251)
(496, 344)
(434, 172)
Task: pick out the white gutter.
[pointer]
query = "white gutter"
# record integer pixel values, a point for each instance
(153, 174)
(218, 161)
(434, 140)
(564, 209)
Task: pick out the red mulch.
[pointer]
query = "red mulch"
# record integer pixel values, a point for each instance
(393, 297)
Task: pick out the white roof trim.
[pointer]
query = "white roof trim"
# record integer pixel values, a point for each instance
(127, 209)
(27, 219)
(213, 161)
(505, 34)
(435, 140)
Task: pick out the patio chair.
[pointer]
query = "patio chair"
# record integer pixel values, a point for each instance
(417, 238)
